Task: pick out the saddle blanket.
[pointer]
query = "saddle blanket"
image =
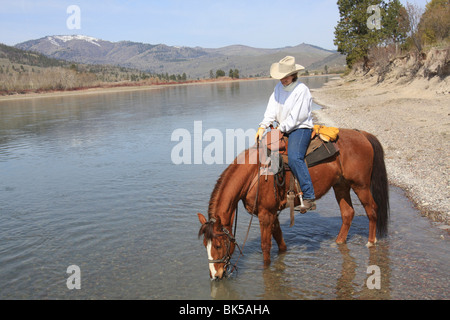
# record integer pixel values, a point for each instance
(319, 151)
(322, 146)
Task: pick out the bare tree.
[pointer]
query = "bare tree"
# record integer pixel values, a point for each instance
(414, 15)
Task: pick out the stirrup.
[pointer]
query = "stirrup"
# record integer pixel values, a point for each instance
(306, 205)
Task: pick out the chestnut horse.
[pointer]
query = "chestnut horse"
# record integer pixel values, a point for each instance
(359, 166)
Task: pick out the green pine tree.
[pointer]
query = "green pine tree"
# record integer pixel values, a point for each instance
(394, 23)
(356, 32)
(220, 73)
(352, 34)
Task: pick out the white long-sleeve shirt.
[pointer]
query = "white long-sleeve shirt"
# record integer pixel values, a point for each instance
(291, 109)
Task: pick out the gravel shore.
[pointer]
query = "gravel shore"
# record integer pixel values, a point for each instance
(412, 123)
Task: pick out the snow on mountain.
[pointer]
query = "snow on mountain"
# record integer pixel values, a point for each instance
(53, 39)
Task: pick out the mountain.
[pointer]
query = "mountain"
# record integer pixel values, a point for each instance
(160, 58)
(29, 71)
(10, 55)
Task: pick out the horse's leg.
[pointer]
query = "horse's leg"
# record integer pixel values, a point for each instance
(342, 194)
(365, 196)
(278, 235)
(266, 220)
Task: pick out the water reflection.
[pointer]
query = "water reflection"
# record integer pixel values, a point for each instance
(314, 267)
(281, 282)
(346, 288)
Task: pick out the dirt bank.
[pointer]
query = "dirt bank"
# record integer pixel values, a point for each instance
(412, 122)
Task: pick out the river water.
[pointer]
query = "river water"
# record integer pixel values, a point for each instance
(90, 181)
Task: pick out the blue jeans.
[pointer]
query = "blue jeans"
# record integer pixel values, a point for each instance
(298, 144)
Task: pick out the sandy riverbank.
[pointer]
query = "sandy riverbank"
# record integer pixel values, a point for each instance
(412, 123)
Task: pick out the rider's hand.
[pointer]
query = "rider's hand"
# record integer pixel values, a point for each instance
(260, 133)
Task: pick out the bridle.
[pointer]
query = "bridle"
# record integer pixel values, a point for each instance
(226, 259)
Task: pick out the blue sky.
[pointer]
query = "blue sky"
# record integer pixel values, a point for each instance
(210, 24)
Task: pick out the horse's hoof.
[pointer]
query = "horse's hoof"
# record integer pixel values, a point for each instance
(370, 244)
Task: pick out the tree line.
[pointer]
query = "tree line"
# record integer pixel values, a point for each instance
(16, 78)
(234, 74)
(365, 26)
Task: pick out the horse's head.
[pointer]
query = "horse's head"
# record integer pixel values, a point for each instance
(219, 243)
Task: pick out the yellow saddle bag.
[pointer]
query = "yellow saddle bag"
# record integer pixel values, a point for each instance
(326, 133)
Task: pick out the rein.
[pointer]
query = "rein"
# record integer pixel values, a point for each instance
(252, 214)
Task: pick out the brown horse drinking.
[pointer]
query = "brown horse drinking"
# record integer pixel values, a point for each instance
(359, 166)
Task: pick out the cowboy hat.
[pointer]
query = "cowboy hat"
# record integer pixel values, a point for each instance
(284, 68)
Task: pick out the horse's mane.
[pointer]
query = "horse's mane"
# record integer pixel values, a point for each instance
(221, 182)
(224, 180)
(207, 230)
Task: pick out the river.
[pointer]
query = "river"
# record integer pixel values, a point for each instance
(90, 181)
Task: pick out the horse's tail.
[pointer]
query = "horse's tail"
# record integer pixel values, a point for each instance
(379, 186)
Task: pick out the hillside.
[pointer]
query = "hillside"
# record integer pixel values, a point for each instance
(160, 58)
(14, 55)
(27, 71)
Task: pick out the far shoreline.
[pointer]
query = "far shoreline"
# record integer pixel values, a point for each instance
(128, 87)
(114, 88)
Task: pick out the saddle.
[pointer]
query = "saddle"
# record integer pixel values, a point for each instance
(321, 147)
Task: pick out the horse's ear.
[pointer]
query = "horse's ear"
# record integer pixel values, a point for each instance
(201, 218)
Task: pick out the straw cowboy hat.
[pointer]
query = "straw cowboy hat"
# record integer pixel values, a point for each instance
(284, 68)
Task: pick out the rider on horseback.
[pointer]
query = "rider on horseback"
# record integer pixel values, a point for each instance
(290, 106)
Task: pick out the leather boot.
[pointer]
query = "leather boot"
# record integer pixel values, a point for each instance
(308, 205)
